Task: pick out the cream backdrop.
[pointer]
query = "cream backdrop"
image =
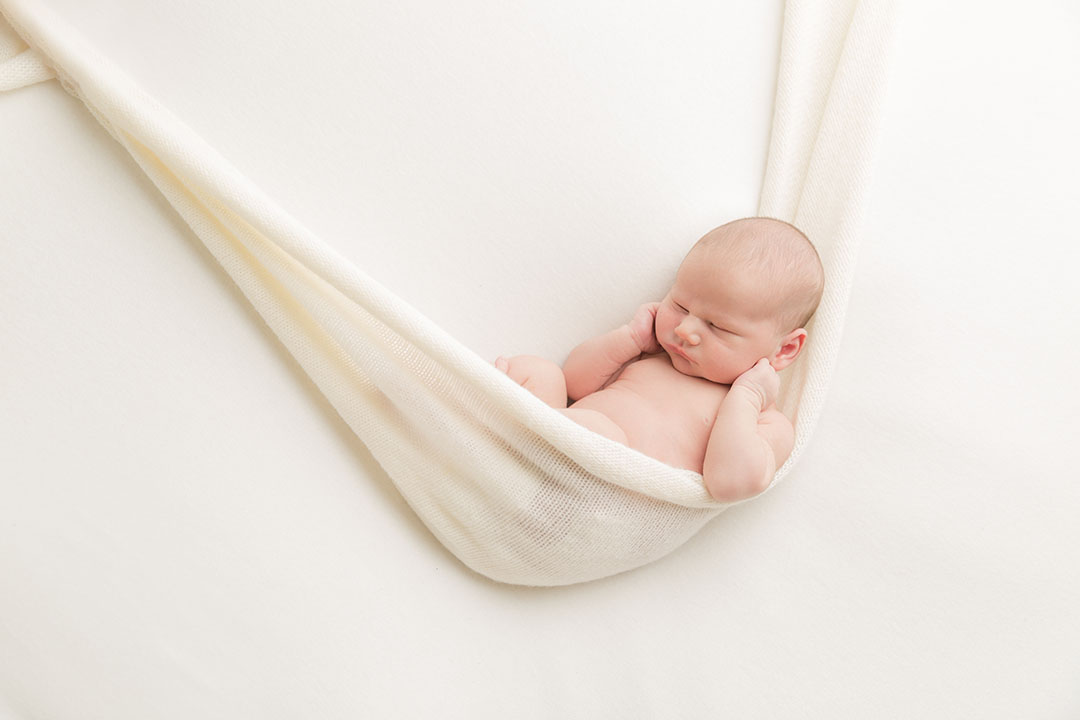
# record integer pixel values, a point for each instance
(187, 529)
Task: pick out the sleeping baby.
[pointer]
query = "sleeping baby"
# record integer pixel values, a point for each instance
(692, 380)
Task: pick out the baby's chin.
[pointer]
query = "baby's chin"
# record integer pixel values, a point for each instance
(693, 369)
(682, 364)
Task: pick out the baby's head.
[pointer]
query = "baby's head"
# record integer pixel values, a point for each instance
(744, 292)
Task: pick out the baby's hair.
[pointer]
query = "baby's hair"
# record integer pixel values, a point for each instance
(785, 257)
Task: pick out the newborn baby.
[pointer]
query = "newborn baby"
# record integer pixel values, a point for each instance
(691, 380)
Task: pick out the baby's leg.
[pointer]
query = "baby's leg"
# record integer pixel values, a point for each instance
(597, 422)
(541, 377)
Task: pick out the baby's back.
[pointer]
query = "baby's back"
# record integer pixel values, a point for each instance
(665, 414)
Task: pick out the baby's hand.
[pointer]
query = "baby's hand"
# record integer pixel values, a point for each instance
(643, 328)
(762, 380)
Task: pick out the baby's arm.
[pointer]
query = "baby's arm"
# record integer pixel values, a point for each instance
(595, 361)
(750, 438)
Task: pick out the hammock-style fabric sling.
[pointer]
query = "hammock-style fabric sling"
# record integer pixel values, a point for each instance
(513, 488)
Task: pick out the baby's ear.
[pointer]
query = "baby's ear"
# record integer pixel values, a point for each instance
(789, 348)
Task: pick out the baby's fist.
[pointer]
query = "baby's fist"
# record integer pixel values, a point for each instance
(643, 328)
(762, 380)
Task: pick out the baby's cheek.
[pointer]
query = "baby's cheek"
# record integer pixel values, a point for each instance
(663, 323)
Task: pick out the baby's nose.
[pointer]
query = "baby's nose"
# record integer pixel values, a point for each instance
(687, 334)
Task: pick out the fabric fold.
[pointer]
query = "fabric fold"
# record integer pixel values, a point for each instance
(26, 68)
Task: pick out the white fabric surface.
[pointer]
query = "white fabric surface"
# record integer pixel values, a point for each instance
(185, 532)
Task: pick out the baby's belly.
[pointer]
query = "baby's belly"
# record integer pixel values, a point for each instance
(674, 430)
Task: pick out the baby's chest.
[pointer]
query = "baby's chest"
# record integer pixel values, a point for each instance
(679, 412)
(678, 398)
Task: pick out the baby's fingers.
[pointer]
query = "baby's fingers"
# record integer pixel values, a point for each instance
(763, 380)
(642, 328)
(646, 313)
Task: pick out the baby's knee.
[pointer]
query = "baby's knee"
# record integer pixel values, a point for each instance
(525, 365)
(538, 375)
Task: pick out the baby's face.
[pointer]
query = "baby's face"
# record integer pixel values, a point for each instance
(715, 324)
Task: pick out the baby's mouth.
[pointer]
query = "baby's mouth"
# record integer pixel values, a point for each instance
(679, 351)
